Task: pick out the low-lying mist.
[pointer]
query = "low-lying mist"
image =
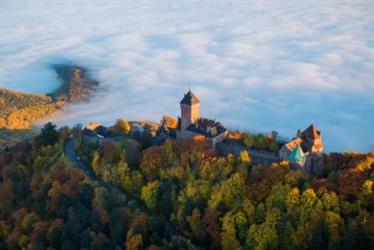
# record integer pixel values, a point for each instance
(255, 66)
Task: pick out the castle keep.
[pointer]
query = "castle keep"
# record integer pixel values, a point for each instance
(190, 124)
(190, 110)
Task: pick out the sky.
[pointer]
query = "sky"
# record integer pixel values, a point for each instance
(255, 65)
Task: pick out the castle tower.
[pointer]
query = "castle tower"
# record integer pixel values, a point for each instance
(190, 110)
(312, 140)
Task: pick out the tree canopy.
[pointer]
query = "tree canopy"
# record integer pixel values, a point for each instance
(178, 195)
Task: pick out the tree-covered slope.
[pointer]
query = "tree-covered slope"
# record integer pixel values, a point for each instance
(178, 195)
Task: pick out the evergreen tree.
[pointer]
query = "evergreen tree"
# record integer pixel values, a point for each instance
(49, 134)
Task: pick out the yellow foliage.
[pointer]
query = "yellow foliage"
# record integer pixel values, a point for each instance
(134, 242)
(335, 225)
(92, 125)
(366, 164)
(20, 111)
(234, 135)
(123, 126)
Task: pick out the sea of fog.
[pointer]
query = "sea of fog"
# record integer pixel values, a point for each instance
(256, 66)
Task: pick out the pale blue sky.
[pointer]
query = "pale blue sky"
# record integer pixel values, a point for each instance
(259, 66)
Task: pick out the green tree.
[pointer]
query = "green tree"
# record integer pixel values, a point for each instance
(167, 153)
(244, 160)
(229, 233)
(96, 164)
(330, 202)
(265, 235)
(248, 140)
(196, 224)
(230, 192)
(320, 237)
(49, 134)
(146, 139)
(149, 194)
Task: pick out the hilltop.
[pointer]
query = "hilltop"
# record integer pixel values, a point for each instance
(76, 84)
(19, 111)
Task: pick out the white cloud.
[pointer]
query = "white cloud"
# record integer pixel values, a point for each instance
(255, 65)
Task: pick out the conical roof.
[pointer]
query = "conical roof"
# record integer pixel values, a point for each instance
(296, 154)
(189, 99)
(311, 132)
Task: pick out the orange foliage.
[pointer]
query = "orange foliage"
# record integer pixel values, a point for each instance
(350, 182)
(98, 239)
(192, 146)
(141, 220)
(150, 162)
(39, 229)
(108, 150)
(262, 182)
(169, 121)
(153, 247)
(104, 215)
(234, 135)
(325, 184)
(199, 138)
(213, 226)
(348, 159)
(19, 215)
(70, 188)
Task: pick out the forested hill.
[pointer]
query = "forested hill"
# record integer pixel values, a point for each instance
(76, 84)
(124, 193)
(19, 111)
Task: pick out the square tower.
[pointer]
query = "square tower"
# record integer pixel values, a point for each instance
(190, 110)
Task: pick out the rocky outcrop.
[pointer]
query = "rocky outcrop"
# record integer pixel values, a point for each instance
(76, 85)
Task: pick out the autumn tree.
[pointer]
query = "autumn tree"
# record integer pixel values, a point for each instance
(149, 194)
(123, 126)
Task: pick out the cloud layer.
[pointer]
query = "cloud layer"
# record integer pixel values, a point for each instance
(259, 66)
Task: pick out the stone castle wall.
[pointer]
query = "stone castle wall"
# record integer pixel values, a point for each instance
(219, 138)
(189, 135)
(185, 134)
(190, 114)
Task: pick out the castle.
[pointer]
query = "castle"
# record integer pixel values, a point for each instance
(305, 150)
(190, 124)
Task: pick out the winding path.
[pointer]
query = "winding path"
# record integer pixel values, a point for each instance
(71, 155)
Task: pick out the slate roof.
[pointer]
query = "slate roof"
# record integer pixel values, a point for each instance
(311, 137)
(311, 132)
(207, 127)
(189, 99)
(163, 129)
